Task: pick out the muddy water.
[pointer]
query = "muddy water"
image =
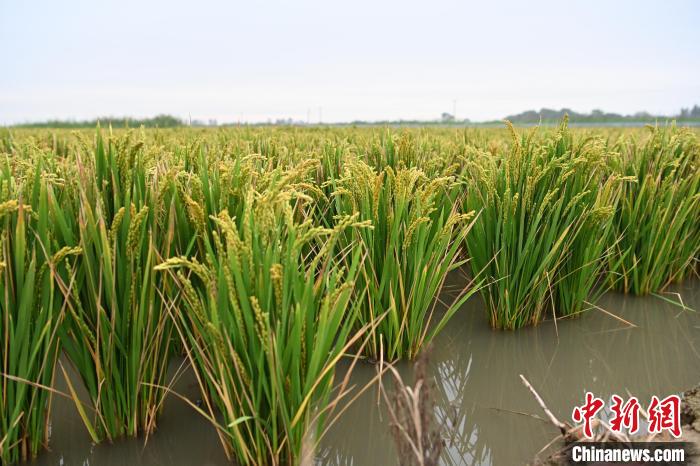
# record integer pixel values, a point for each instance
(479, 398)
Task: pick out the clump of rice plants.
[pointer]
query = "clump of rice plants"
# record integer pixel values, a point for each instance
(265, 319)
(544, 225)
(658, 219)
(117, 334)
(32, 297)
(413, 243)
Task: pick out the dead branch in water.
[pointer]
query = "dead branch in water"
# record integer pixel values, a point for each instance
(416, 432)
(563, 427)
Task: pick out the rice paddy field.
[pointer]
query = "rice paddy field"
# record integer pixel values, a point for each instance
(255, 284)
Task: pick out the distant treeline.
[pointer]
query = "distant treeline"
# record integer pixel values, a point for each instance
(159, 121)
(547, 115)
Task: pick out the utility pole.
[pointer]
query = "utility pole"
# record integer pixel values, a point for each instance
(308, 116)
(454, 109)
(320, 115)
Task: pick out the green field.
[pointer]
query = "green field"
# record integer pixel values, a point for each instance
(268, 255)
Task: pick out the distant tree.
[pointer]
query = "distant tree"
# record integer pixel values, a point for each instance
(159, 121)
(447, 117)
(547, 115)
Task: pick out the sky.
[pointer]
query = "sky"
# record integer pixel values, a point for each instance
(342, 61)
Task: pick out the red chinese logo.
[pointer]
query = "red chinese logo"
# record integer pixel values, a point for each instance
(587, 412)
(625, 415)
(663, 415)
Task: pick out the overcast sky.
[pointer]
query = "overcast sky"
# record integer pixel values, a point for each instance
(371, 60)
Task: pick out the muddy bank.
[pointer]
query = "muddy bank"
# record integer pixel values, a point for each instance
(690, 409)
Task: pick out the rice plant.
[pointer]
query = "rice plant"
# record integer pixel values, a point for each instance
(266, 317)
(659, 215)
(543, 228)
(32, 297)
(117, 334)
(412, 245)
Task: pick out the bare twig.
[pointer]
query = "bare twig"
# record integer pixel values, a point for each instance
(563, 427)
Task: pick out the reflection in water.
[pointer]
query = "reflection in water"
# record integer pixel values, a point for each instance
(460, 433)
(487, 412)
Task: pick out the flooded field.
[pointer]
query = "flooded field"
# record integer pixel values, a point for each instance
(485, 409)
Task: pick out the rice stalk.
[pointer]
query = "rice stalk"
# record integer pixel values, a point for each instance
(411, 245)
(658, 219)
(34, 281)
(266, 318)
(543, 228)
